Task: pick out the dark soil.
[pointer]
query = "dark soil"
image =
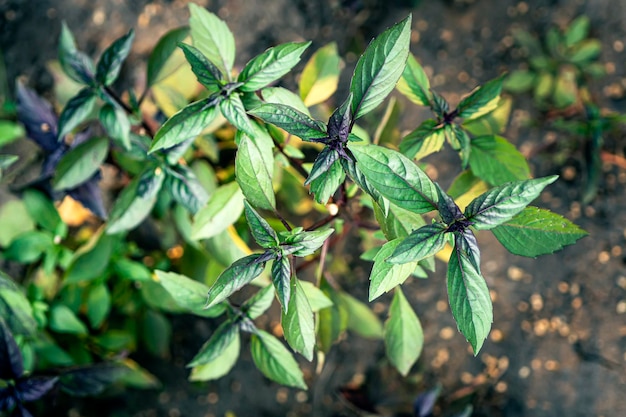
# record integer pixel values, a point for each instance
(558, 344)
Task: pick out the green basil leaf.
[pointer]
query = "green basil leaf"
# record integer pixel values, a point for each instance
(404, 337)
(275, 361)
(110, 62)
(380, 67)
(586, 51)
(270, 65)
(233, 110)
(63, 320)
(396, 177)
(361, 319)
(317, 299)
(186, 189)
(81, 163)
(131, 270)
(357, 176)
(76, 111)
(439, 105)
(159, 62)
(327, 182)
(519, 81)
(320, 75)
(536, 231)
(156, 333)
(188, 293)
(469, 299)
(386, 276)
(28, 247)
(262, 232)
(501, 203)
(421, 244)
(414, 83)
(240, 273)
(281, 278)
(136, 201)
(280, 95)
(220, 365)
(116, 123)
(428, 138)
(293, 121)
(322, 165)
(577, 30)
(254, 170)
(565, 91)
(298, 323)
(10, 132)
(207, 74)
(398, 222)
(98, 305)
(223, 208)
(497, 161)
(308, 242)
(333, 320)
(15, 308)
(186, 124)
(213, 38)
(220, 340)
(43, 211)
(481, 101)
(259, 303)
(92, 260)
(74, 63)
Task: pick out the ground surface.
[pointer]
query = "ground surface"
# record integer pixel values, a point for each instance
(558, 344)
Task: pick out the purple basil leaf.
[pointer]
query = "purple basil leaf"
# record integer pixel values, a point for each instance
(11, 366)
(7, 398)
(425, 402)
(90, 196)
(448, 209)
(38, 118)
(341, 121)
(466, 241)
(91, 380)
(32, 389)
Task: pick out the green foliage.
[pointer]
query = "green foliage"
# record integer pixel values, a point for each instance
(559, 66)
(225, 222)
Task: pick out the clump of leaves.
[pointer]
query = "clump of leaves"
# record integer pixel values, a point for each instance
(18, 387)
(209, 209)
(592, 125)
(558, 67)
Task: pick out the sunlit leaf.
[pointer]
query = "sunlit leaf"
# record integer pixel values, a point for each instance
(213, 38)
(414, 83)
(320, 75)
